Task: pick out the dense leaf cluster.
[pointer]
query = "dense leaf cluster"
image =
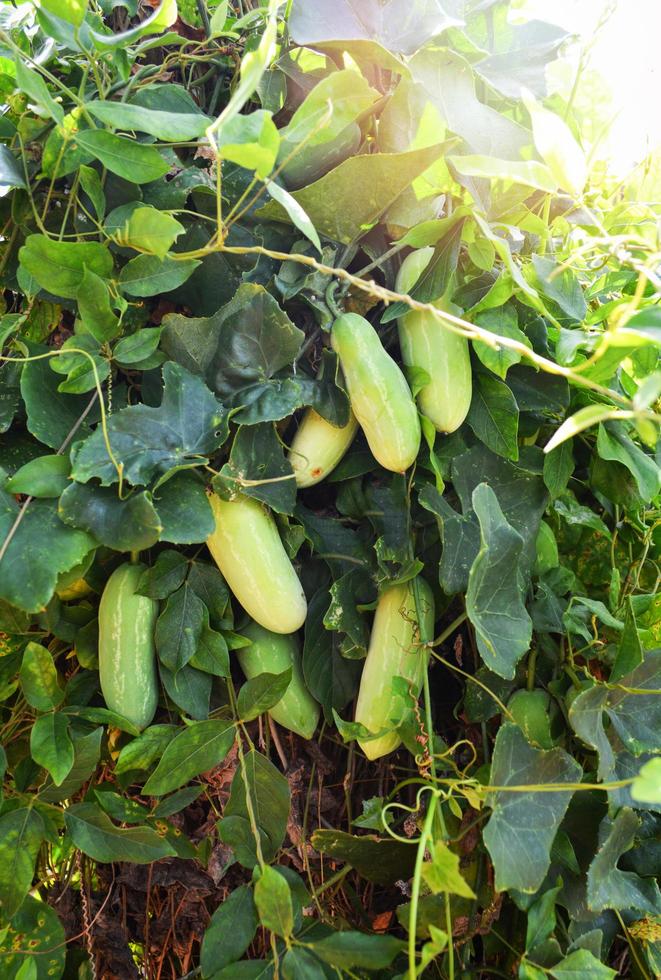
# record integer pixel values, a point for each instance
(188, 202)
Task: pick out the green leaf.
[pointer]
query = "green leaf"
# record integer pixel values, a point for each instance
(51, 415)
(608, 886)
(35, 927)
(273, 902)
(83, 362)
(442, 873)
(120, 808)
(136, 162)
(261, 693)
(11, 174)
(51, 746)
(496, 588)
(504, 322)
(165, 575)
(560, 285)
(183, 509)
(163, 17)
(171, 127)
(255, 339)
(147, 275)
(94, 307)
(582, 965)
(39, 678)
(45, 476)
(494, 415)
(634, 714)
(189, 688)
(21, 834)
(347, 950)
(269, 795)
(345, 203)
(151, 231)
(72, 11)
(531, 173)
(90, 181)
(629, 651)
(60, 267)
(295, 212)
(200, 747)
(211, 655)
(528, 816)
(646, 787)
(143, 751)
(177, 802)
(558, 468)
(188, 425)
(541, 919)
(380, 860)
(86, 754)
(258, 455)
(614, 444)
(129, 524)
(137, 348)
(30, 82)
(331, 678)
(252, 141)
(230, 931)
(210, 585)
(179, 627)
(94, 834)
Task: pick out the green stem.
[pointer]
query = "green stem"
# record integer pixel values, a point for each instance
(135, 557)
(417, 881)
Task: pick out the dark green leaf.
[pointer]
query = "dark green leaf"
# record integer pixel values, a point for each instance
(530, 817)
(86, 753)
(614, 444)
(188, 425)
(95, 835)
(273, 902)
(165, 576)
(144, 751)
(608, 886)
(494, 416)
(189, 689)
(198, 748)
(60, 267)
(148, 275)
(179, 627)
(331, 679)
(51, 746)
(582, 965)
(347, 950)
(381, 860)
(495, 599)
(269, 794)
(128, 524)
(230, 931)
(258, 455)
(183, 510)
(45, 476)
(130, 160)
(255, 340)
(261, 693)
(51, 415)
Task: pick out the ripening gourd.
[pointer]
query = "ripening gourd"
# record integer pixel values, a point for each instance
(274, 653)
(426, 343)
(380, 396)
(248, 550)
(394, 651)
(127, 651)
(318, 447)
